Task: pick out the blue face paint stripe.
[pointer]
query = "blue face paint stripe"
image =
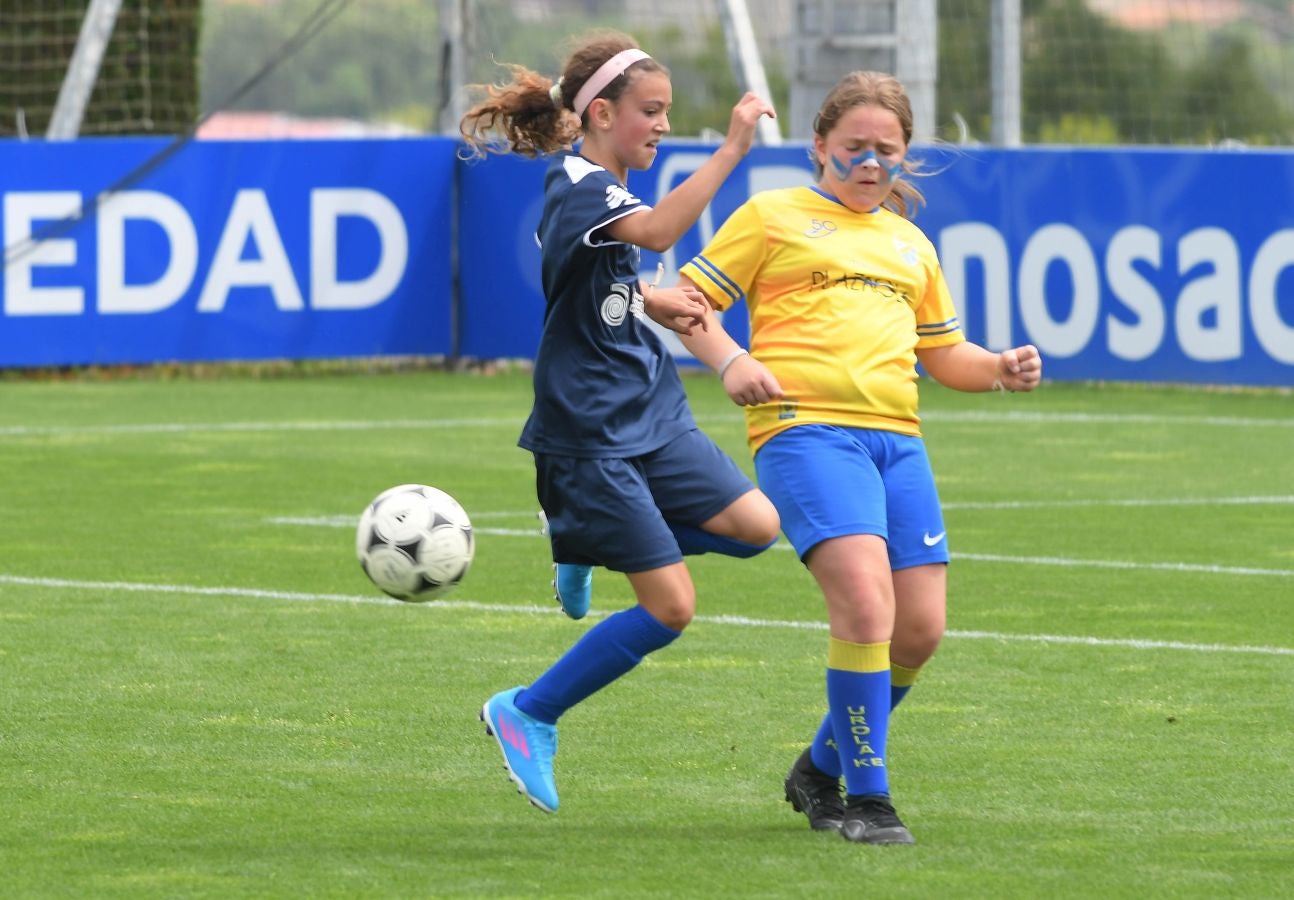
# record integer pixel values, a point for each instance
(844, 168)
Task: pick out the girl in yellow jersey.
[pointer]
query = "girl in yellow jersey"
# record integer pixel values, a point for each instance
(846, 296)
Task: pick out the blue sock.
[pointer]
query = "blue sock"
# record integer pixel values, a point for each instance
(694, 541)
(858, 694)
(823, 750)
(608, 650)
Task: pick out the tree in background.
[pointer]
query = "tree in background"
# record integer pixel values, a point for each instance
(378, 60)
(1086, 79)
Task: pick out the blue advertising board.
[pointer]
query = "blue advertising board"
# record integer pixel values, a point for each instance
(225, 250)
(1138, 265)
(1122, 264)
(1129, 264)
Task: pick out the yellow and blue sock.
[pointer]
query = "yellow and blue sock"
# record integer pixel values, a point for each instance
(606, 651)
(858, 695)
(824, 752)
(901, 680)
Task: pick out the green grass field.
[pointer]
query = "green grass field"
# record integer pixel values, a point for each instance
(202, 696)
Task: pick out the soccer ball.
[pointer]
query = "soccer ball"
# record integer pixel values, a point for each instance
(415, 542)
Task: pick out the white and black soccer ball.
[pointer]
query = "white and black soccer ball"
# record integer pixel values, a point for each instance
(415, 542)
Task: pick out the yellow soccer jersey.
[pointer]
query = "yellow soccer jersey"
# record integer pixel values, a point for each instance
(839, 302)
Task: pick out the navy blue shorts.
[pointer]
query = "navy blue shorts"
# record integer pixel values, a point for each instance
(613, 512)
(828, 481)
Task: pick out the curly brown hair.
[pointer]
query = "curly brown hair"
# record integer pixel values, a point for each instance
(532, 115)
(885, 91)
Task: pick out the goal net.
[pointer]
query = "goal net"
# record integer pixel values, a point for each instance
(147, 81)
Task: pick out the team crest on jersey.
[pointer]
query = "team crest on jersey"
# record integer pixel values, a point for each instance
(618, 197)
(906, 252)
(622, 301)
(615, 305)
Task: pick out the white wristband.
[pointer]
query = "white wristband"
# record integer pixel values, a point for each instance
(729, 360)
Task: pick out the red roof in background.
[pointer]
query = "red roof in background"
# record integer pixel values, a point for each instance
(258, 125)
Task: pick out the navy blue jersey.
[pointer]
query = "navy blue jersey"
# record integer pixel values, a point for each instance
(605, 384)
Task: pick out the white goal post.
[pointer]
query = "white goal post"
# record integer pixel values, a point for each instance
(83, 70)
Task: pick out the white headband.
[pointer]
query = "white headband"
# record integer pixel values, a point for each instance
(608, 72)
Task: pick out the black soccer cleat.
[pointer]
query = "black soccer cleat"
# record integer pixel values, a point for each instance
(816, 794)
(871, 819)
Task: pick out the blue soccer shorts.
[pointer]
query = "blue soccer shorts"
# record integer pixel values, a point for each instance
(613, 512)
(828, 481)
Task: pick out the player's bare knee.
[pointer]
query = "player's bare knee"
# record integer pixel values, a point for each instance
(765, 531)
(916, 642)
(676, 611)
(760, 524)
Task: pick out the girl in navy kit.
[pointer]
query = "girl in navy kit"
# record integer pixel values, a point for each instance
(625, 478)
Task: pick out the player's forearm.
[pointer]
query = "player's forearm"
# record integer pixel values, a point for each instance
(677, 211)
(962, 367)
(713, 346)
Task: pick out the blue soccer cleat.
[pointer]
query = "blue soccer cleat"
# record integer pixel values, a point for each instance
(528, 747)
(574, 586)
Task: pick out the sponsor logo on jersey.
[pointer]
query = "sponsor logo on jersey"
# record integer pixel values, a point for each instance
(819, 228)
(820, 280)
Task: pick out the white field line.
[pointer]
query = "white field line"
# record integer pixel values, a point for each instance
(1004, 416)
(1204, 568)
(342, 521)
(1278, 500)
(352, 521)
(278, 425)
(473, 606)
(1081, 418)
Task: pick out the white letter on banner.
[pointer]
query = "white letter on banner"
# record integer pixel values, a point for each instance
(21, 297)
(115, 296)
(326, 206)
(957, 245)
(250, 215)
(1067, 244)
(1219, 291)
(1274, 256)
(1141, 339)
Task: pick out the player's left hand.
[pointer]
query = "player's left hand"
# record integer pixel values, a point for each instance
(1020, 368)
(750, 383)
(679, 309)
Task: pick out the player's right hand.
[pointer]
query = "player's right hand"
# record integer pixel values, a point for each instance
(679, 309)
